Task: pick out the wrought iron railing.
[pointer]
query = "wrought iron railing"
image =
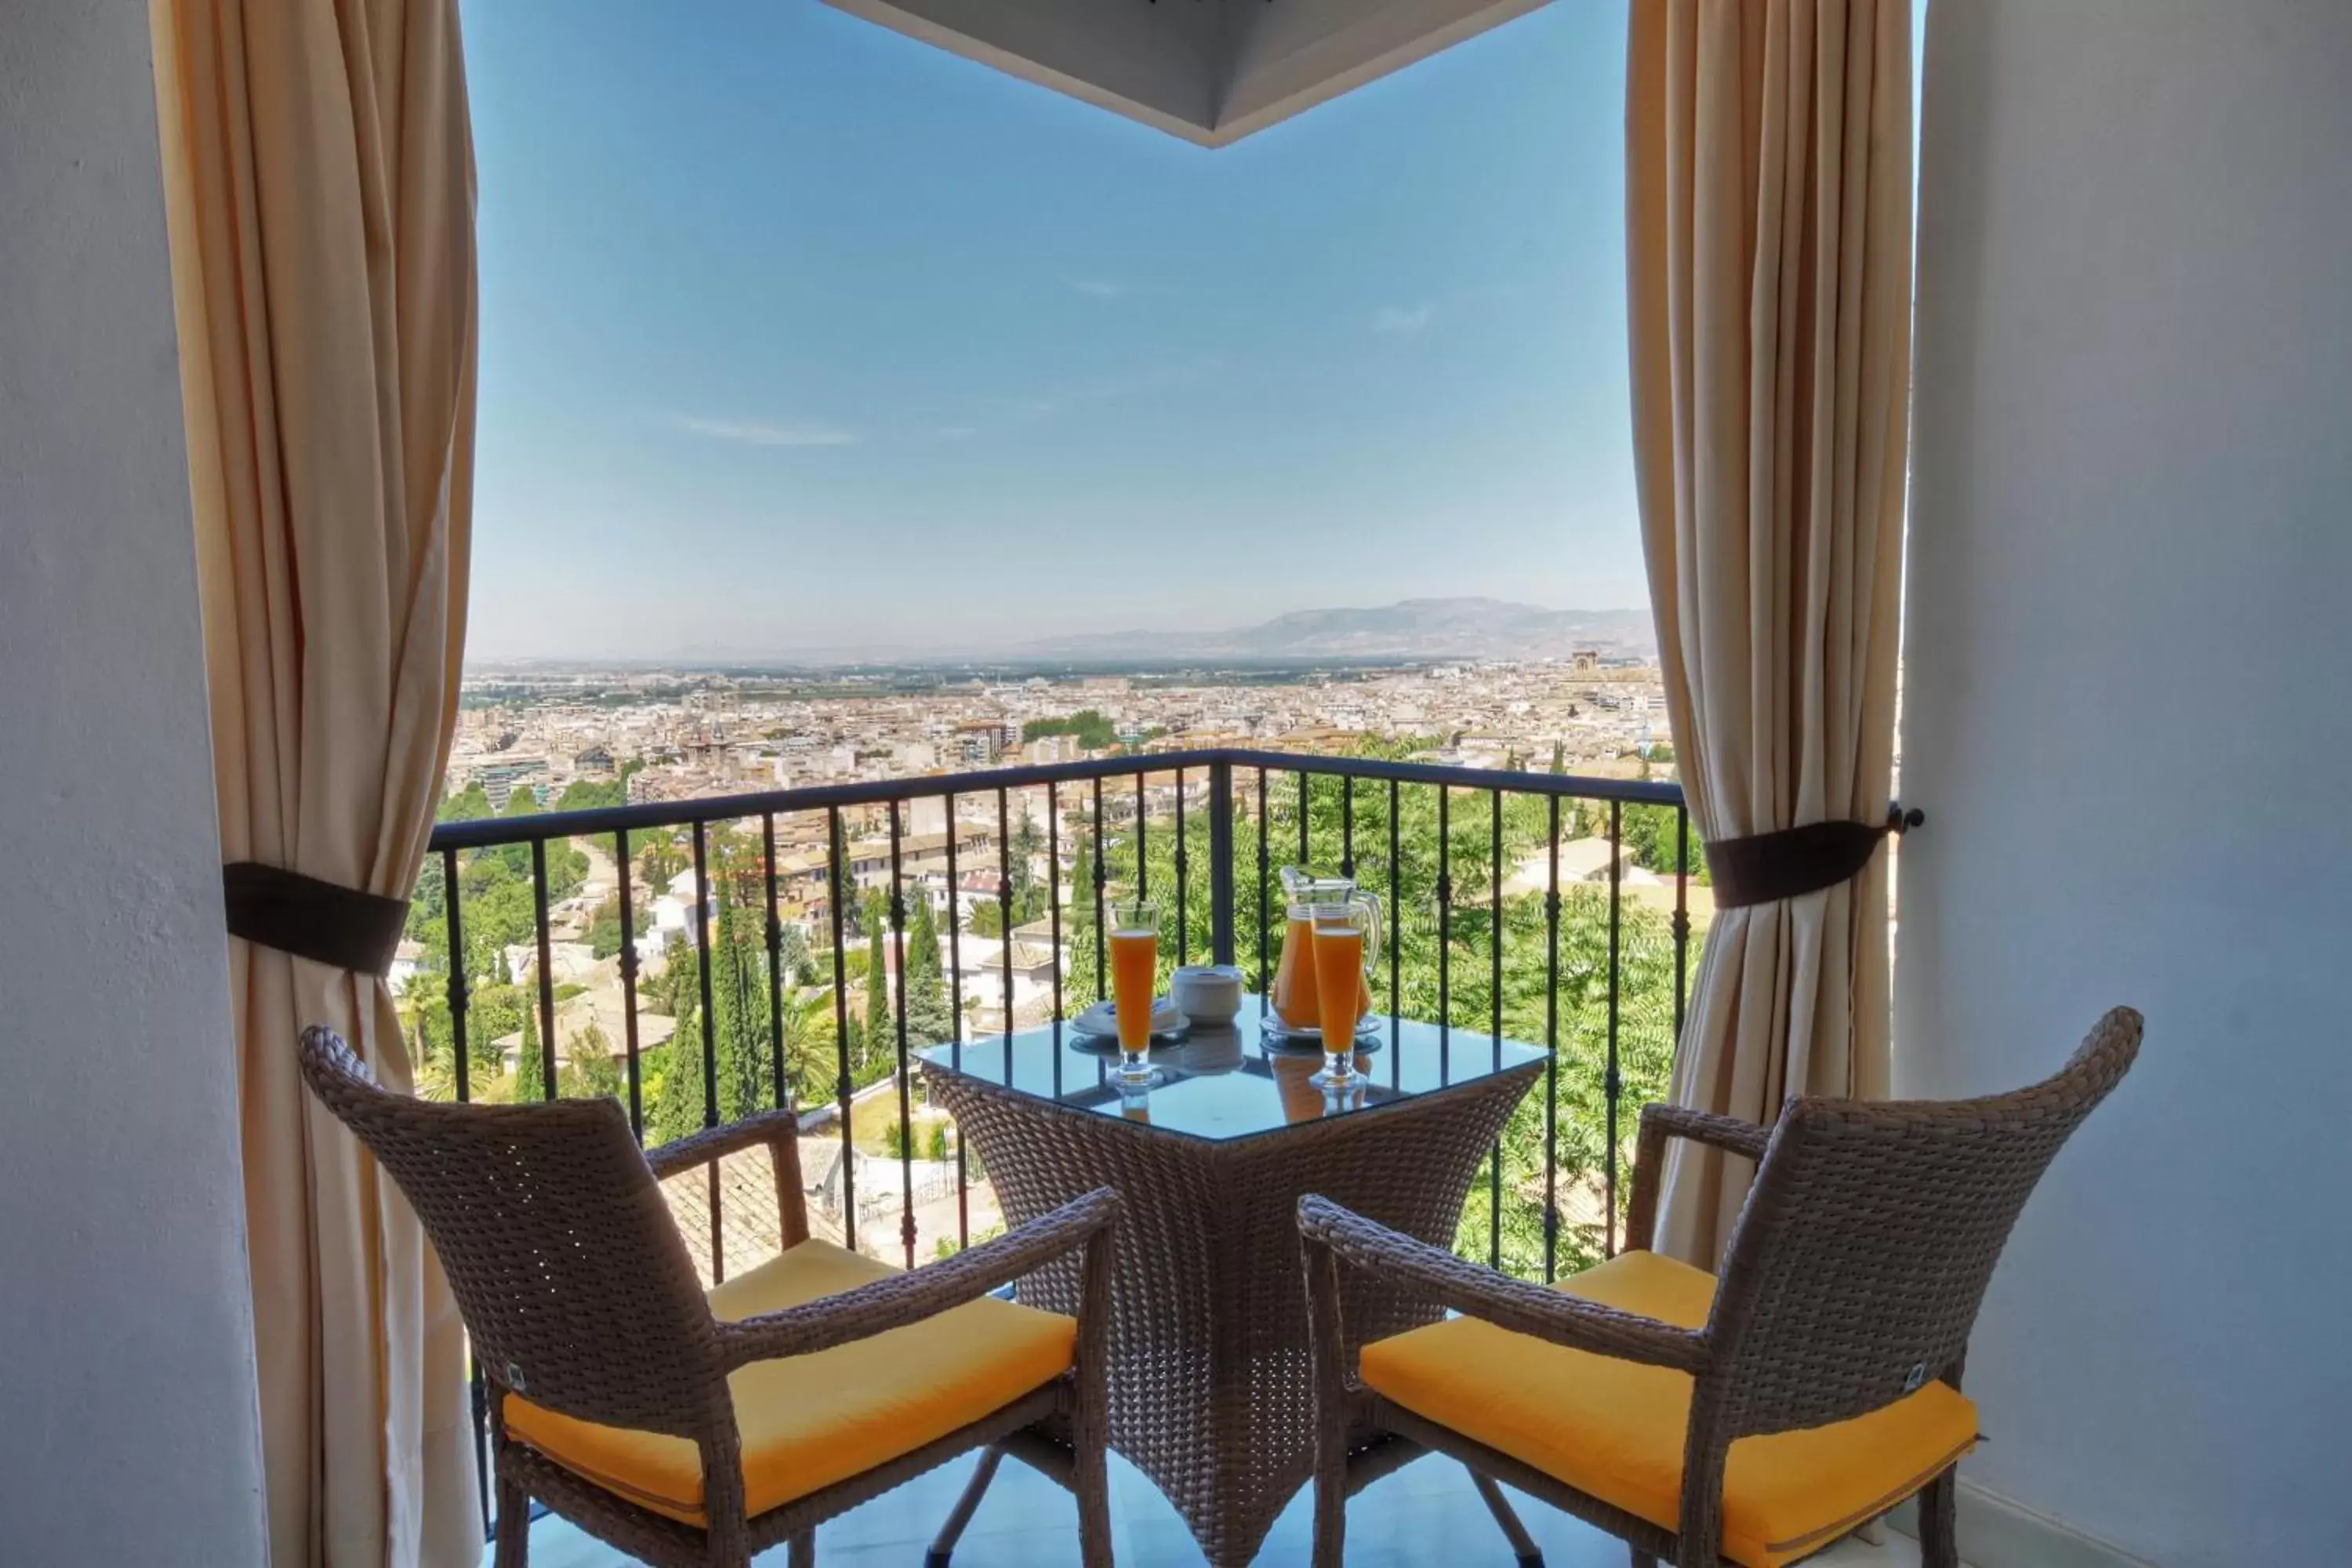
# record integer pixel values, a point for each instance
(1592, 960)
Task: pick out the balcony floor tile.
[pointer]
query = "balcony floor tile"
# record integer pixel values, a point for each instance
(1425, 1513)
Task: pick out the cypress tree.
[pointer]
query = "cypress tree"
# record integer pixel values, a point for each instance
(739, 1011)
(1028, 898)
(928, 1020)
(677, 1108)
(879, 1032)
(530, 1071)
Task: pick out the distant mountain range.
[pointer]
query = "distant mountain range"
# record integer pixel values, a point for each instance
(1411, 628)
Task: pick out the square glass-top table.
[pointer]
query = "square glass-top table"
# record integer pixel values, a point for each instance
(1233, 1080)
(1212, 1394)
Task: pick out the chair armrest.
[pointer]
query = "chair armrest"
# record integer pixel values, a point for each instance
(769, 1127)
(1660, 1122)
(1436, 1275)
(780, 1130)
(924, 1292)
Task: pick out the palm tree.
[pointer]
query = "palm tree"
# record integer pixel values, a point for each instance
(812, 1059)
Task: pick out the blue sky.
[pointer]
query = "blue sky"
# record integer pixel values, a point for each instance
(797, 334)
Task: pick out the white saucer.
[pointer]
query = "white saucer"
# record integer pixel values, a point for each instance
(1102, 1020)
(1277, 1031)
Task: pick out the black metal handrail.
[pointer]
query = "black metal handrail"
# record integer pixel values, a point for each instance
(491, 832)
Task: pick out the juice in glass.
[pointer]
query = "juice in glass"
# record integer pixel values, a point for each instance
(1134, 977)
(1343, 944)
(1134, 965)
(1339, 979)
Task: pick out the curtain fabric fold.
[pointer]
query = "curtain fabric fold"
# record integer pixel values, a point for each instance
(1768, 193)
(320, 186)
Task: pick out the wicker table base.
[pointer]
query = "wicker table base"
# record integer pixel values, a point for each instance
(1211, 1390)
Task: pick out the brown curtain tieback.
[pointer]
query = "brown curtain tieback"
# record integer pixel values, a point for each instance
(1765, 867)
(320, 921)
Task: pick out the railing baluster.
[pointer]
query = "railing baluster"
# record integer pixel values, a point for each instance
(1682, 916)
(1306, 805)
(1551, 1055)
(1143, 842)
(906, 1076)
(1265, 974)
(1101, 877)
(955, 1021)
(1004, 916)
(1221, 862)
(453, 929)
(1183, 931)
(1054, 907)
(1054, 889)
(1348, 826)
(1495, 953)
(1610, 1086)
(836, 870)
(629, 983)
(1444, 933)
(775, 961)
(546, 968)
(1396, 936)
(709, 1040)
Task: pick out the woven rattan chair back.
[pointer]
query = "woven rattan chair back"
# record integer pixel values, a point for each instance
(574, 1284)
(1869, 1235)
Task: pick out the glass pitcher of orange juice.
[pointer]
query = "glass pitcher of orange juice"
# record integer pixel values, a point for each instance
(1296, 1000)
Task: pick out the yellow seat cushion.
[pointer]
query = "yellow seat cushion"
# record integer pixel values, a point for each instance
(1614, 1430)
(808, 1421)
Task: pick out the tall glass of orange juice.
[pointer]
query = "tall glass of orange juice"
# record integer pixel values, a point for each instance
(1134, 978)
(1345, 940)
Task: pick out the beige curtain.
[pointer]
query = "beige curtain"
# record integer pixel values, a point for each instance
(1769, 237)
(319, 184)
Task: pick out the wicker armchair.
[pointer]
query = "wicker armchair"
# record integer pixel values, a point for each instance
(1755, 1419)
(695, 1430)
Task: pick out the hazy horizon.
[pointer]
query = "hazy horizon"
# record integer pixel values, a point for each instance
(1057, 647)
(798, 335)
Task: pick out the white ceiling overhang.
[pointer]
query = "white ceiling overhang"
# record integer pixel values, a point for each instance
(1210, 71)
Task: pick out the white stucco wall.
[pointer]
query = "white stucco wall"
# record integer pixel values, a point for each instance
(2128, 715)
(127, 1408)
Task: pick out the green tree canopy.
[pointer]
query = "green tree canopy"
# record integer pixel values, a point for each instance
(593, 1072)
(1094, 731)
(604, 926)
(466, 805)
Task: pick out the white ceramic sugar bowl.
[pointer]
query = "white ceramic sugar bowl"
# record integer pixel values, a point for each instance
(1207, 993)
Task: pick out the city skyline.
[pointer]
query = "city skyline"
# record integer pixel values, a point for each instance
(798, 335)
